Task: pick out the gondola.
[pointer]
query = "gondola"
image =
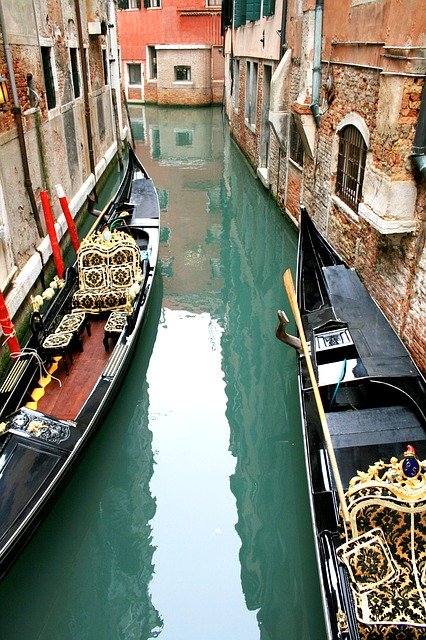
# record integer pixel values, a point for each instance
(363, 407)
(84, 329)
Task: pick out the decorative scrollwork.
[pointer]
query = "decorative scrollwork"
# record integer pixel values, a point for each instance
(405, 477)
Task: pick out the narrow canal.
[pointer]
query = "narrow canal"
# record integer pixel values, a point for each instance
(188, 517)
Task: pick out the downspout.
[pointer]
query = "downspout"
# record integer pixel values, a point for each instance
(316, 71)
(19, 127)
(283, 31)
(83, 58)
(418, 156)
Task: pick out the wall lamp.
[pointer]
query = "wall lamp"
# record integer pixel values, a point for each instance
(4, 93)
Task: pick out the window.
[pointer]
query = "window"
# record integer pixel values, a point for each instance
(49, 83)
(268, 7)
(182, 74)
(134, 73)
(152, 4)
(105, 65)
(350, 166)
(129, 4)
(236, 83)
(296, 144)
(152, 63)
(75, 72)
(183, 138)
(251, 92)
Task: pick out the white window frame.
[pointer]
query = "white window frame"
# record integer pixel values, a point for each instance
(250, 107)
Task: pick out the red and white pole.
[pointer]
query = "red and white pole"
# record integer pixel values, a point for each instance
(50, 223)
(8, 328)
(68, 217)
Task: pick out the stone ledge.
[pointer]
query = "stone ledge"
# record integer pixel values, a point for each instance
(262, 174)
(385, 226)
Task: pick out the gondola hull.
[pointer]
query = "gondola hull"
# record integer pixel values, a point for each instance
(49, 416)
(374, 402)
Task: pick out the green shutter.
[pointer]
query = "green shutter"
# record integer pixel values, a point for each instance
(146, 4)
(237, 13)
(266, 7)
(123, 4)
(243, 11)
(253, 10)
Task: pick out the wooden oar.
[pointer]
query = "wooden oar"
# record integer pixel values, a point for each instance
(291, 293)
(97, 221)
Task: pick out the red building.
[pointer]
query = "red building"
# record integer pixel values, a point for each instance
(171, 51)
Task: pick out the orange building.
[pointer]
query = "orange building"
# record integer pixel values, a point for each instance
(171, 51)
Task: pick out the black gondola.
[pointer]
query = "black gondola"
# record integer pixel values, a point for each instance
(56, 393)
(364, 421)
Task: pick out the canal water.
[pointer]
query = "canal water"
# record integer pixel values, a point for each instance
(188, 517)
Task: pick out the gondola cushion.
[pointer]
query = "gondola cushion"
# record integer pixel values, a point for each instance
(109, 266)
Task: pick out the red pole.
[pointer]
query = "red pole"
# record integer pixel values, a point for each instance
(50, 223)
(68, 217)
(8, 328)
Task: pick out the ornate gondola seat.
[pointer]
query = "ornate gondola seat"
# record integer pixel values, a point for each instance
(108, 266)
(59, 343)
(385, 548)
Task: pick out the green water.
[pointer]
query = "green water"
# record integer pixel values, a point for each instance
(188, 517)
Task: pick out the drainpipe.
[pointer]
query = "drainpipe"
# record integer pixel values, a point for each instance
(19, 127)
(316, 71)
(418, 157)
(85, 90)
(283, 31)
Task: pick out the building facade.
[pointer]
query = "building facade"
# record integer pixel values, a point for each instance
(345, 134)
(171, 52)
(58, 123)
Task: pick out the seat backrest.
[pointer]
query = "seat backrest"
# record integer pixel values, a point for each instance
(37, 327)
(109, 260)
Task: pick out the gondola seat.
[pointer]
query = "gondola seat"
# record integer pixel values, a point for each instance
(385, 551)
(109, 266)
(58, 343)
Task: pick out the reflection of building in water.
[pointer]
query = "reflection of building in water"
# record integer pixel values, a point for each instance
(121, 564)
(276, 552)
(183, 150)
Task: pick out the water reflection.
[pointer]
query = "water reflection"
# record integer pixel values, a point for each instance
(222, 257)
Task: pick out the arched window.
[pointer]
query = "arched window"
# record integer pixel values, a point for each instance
(350, 166)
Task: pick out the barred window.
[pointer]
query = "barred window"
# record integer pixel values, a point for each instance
(49, 82)
(350, 166)
(182, 74)
(152, 62)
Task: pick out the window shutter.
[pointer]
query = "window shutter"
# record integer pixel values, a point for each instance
(123, 4)
(138, 4)
(146, 3)
(249, 10)
(237, 14)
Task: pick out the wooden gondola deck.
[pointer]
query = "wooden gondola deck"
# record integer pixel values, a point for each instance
(66, 402)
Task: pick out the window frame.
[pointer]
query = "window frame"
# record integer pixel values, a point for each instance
(48, 66)
(136, 65)
(122, 5)
(75, 71)
(152, 62)
(236, 84)
(296, 149)
(251, 93)
(186, 80)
